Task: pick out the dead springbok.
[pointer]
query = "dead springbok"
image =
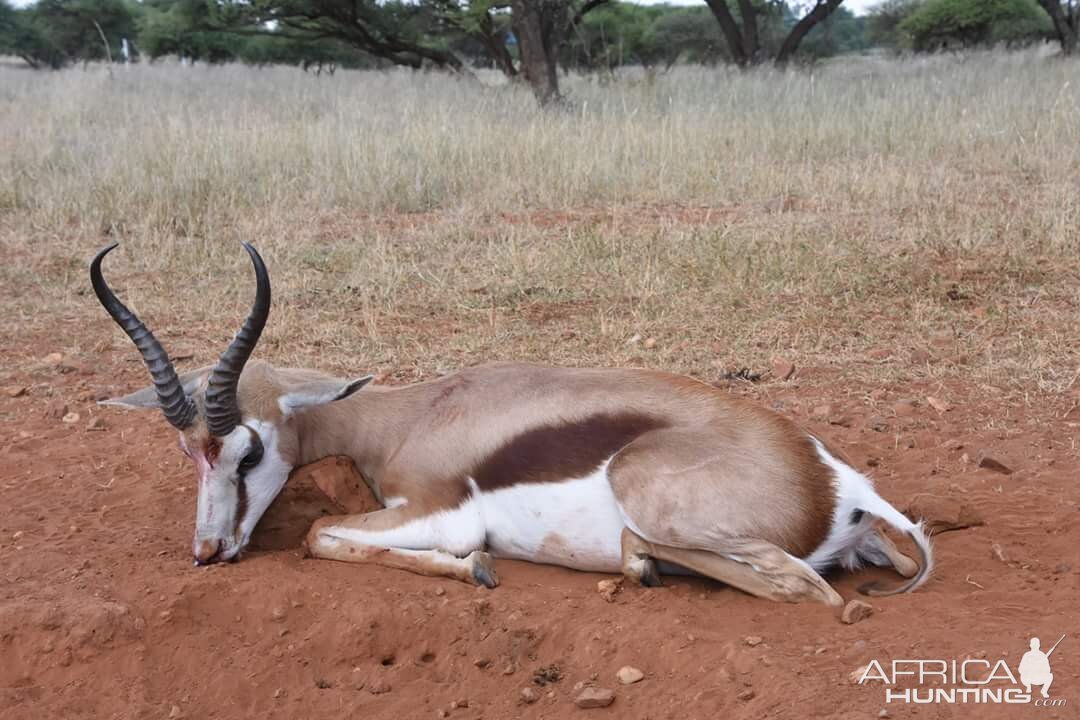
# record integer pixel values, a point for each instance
(599, 470)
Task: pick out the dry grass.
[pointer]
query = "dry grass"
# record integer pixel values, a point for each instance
(415, 223)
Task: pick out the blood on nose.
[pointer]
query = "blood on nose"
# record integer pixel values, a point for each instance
(206, 550)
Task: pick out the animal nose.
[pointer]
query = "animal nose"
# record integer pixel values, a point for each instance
(206, 551)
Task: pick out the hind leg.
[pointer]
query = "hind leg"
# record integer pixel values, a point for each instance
(761, 569)
(879, 549)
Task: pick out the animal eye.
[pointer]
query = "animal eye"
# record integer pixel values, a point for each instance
(251, 459)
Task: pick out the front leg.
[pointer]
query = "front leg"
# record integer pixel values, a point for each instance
(444, 543)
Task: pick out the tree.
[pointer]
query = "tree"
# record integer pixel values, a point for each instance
(1066, 20)
(54, 33)
(742, 28)
(883, 23)
(939, 24)
(401, 33)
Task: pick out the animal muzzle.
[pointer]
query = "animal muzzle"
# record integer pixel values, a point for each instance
(207, 551)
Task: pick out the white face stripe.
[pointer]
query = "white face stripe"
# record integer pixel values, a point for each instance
(216, 518)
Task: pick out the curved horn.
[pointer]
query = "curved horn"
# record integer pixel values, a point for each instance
(179, 409)
(222, 412)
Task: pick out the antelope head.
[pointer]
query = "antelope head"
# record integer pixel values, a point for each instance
(234, 417)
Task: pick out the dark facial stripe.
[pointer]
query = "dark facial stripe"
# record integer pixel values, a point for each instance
(554, 453)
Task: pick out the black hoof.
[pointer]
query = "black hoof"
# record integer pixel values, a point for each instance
(650, 577)
(483, 572)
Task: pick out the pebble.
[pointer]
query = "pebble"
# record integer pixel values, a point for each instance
(628, 675)
(855, 611)
(71, 418)
(940, 405)
(608, 588)
(55, 409)
(529, 696)
(754, 640)
(17, 535)
(904, 408)
(822, 411)
(595, 698)
(988, 463)
(443, 713)
(877, 423)
(952, 444)
(279, 693)
(998, 553)
(278, 613)
(379, 688)
(440, 591)
(782, 369)
(747, 694)
(175, 711)
(96, 424)
(15, 391)
(54, 358)
(649, 343)
(462, 703)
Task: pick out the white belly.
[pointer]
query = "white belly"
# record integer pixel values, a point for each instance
(575, 523)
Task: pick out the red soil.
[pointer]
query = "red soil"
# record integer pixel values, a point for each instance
(102, 614)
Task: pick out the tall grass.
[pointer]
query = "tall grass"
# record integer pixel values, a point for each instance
(420, 219)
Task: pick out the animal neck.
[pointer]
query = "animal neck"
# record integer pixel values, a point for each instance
(368, 427)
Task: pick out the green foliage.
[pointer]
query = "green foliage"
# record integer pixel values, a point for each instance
(841, 32)
(937, 24)
(883, 23)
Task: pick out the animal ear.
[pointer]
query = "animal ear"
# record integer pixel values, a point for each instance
(319, 392)
(148, 398)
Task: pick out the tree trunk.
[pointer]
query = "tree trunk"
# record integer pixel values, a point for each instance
(1066, 32)
(821, 10)
(730, 28)
(496, 46)
(535, 24)
(751, 40)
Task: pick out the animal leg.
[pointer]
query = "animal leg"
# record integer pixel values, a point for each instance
(759, 568)
(446, 544)
(880, 550)
(637, 565)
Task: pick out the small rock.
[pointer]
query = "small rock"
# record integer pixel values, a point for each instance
(379, 687)
(443, 713)
(998, 553)
(988, 463)
(482, 663)
(439, 591)
(55, 409)
(879, 354)
(754, 640)
(15, 391)
(628, 675)
(782, 369)
(940, 405)
(70, 418)
(1062, 568)
(175, 711)
(920, 357)
(595, 698)
(634, 340)
(17, 535)
(455, 704)
(746, 694)
(96, 424)
(877, 423)
(904, 408)
(952, 444)
(883, 713)
(278, 613)
(965, 458)
(54, 358)
(279, 693)
(608, 588)
(841, 420)
(529, 696)
(941, 514)
(649, 343)
(855, 611)
(822, 411)
(510, 669)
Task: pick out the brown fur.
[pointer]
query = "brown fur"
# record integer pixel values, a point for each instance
(555, 452)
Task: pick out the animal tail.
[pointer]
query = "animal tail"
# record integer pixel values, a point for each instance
(876, 505)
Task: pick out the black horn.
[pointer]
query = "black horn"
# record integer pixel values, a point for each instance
(179, 409)
(222, 412)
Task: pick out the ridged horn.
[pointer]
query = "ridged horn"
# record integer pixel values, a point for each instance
(179, 409)
(221, 408)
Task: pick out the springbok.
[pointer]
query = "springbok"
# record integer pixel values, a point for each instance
(603, 470)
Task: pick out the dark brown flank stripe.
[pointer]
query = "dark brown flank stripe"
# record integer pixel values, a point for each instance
(555, 453)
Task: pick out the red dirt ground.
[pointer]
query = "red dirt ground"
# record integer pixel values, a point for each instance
(102, 614)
